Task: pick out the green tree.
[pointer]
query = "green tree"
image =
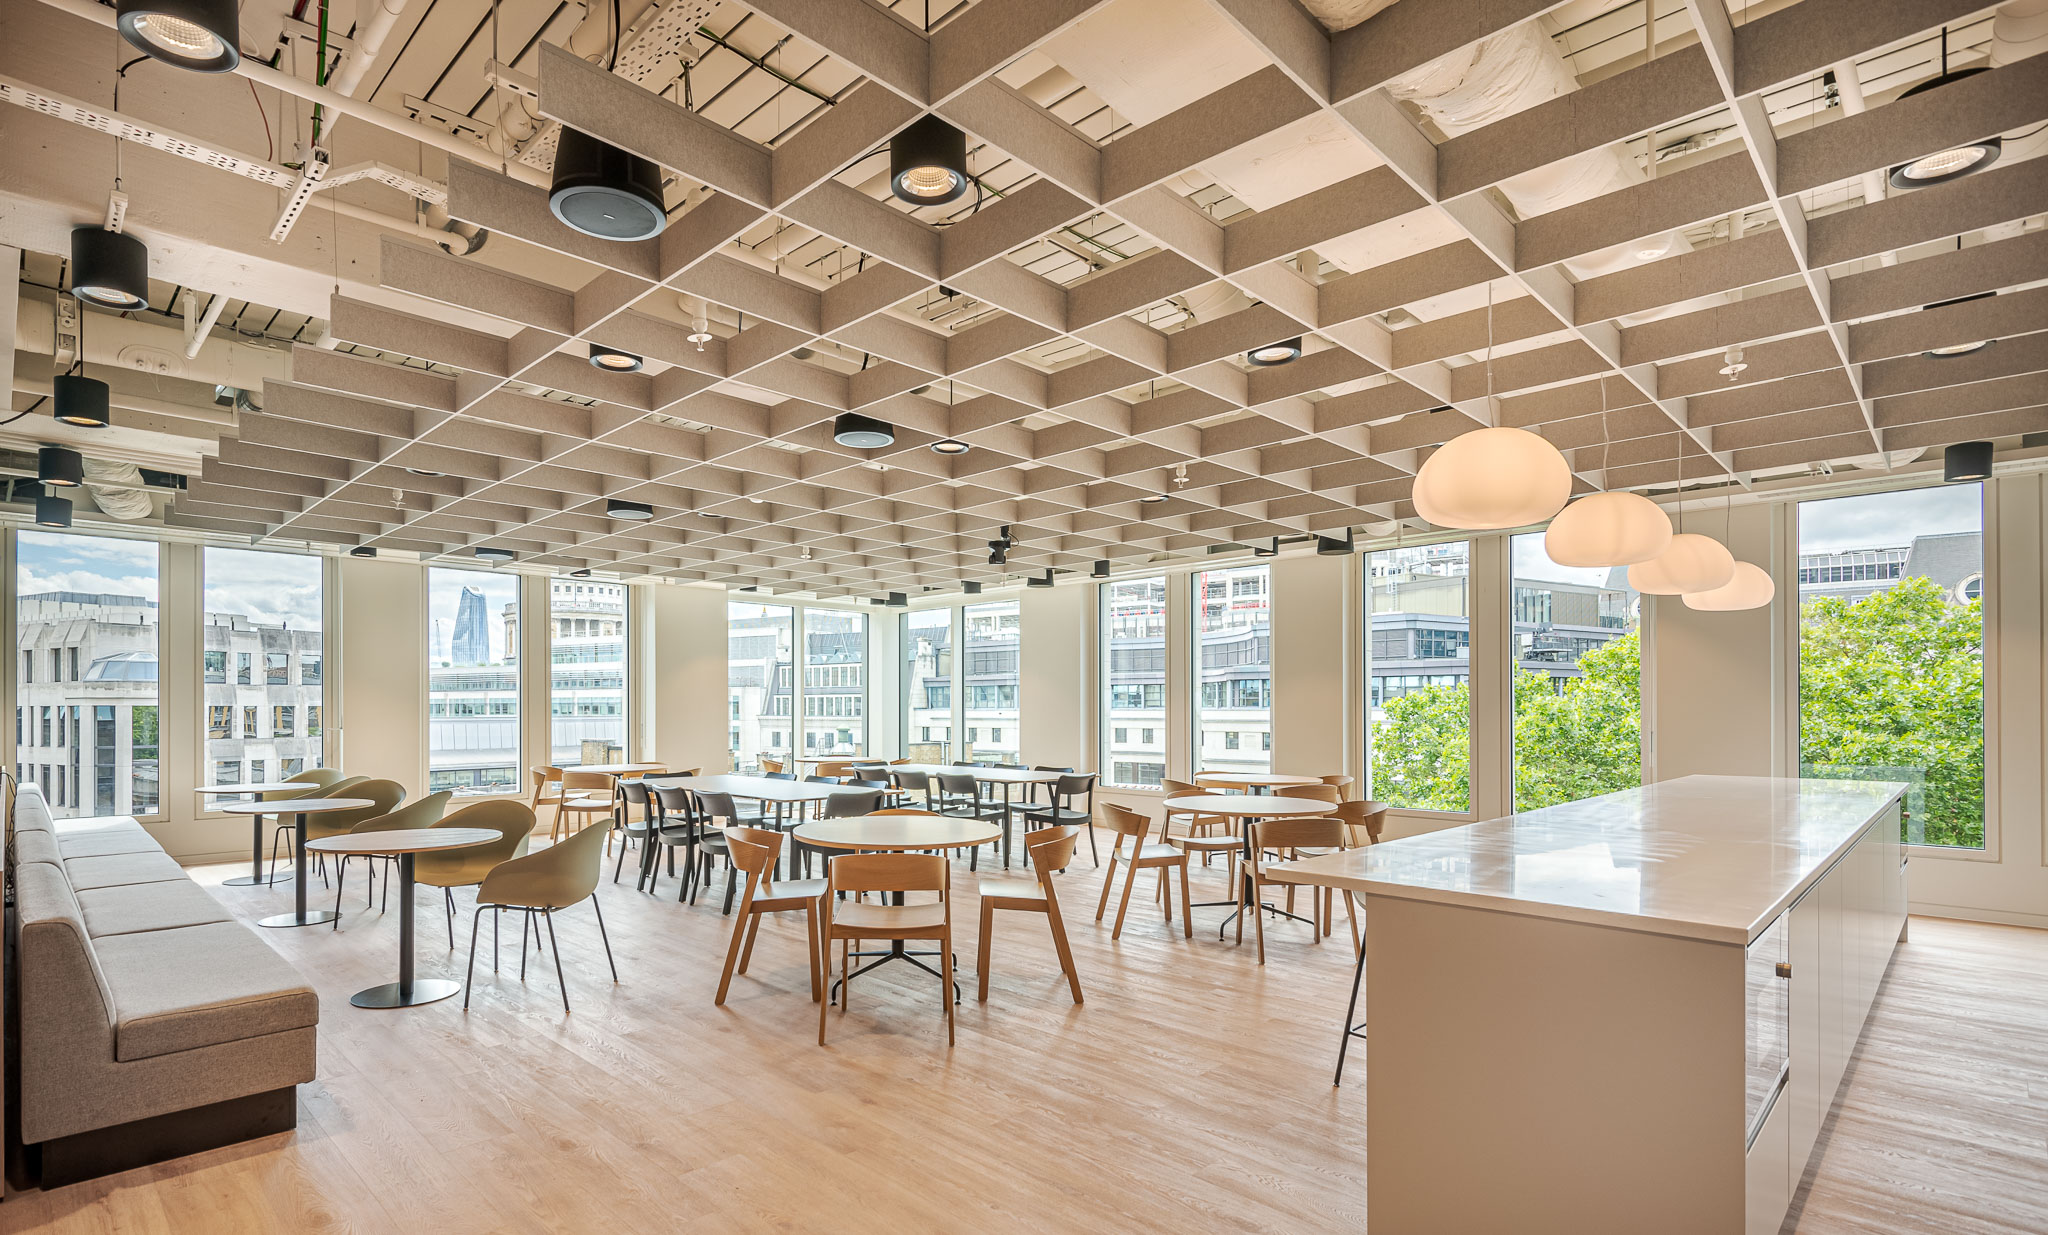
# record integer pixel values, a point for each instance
(1422, 750)
(1584, 738)
(1891, 687)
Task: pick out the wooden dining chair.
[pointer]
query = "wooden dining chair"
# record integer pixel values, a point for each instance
(1289, 836)
(1134, 827)
(540, 883)
(1201, 834)
(424, 813)
(1363, 822)
(1341, 781)
(855, 919)
(755, 851)
(770, 767)
(1045, 851)
(584, 796)
(1315, 793)
(448, 869)
(547, 791)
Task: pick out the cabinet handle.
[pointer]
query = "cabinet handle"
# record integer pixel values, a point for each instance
(1784, 969)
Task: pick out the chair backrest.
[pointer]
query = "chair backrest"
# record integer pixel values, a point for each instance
(1050, 849)
(717, 806)
(868, 784)
(561, 874)
(754, 850)
(1314, 833)
(821, 780)
(424, 813)
(315, 776)
(1181, 786)
(852, 805)
(917, 781)
(1047, 767)
(889, 872)
(906, 810)
(1315, 793)
(1123, 821)
(635, 792)
(332, 789)
(513, 821)
(542, 778)
(584, 782)
(1341, 781)
(780, 775)
(959, 782)
(1359, 817)
(384, 796)
(676, 800)
(770, 767)
(1074, 786)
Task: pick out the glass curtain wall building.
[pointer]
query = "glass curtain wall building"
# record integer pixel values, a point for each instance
(86, 638)
(1233, 687)
(1418, 676)
(835, 682)
(927, 686)
(1133, 641)
(262, 664)
(760, 652)
(473, 682)
(587, 672)
(989, 677)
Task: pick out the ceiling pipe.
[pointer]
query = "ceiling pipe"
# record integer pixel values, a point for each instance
(369, 39)
(340, 104)
(197, 330)
(1849, 88)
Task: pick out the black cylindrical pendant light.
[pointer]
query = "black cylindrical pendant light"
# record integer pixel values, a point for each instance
(53, 511)
(109, 269)
(81, 401)
(1966, 461)
(193, 34)
(602, 191)
(928, 163)
(56, 465)
(858, 432)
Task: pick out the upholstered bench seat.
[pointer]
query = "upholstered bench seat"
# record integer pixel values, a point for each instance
(114, 870)
(163, 1002)
(131, 908)
(106, 843)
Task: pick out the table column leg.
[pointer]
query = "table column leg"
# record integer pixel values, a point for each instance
(300, 915)
(254, 879)
(408, 991)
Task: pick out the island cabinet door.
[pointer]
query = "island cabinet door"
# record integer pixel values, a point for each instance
(1767, 1175)
(1815, 1063)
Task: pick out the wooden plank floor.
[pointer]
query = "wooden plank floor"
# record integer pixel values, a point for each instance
(1190, 1093)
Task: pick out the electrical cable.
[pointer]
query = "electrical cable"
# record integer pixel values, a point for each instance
(31, 407)
(269, 142)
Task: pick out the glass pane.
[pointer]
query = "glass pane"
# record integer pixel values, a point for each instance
(1234, 670)
(760, 642)
(1418, 676)
(928, 685)
(473, 682)
(835, 682)
(587, 683)
(1891, 651)
(1134, 682)
(1578, 678)
(266, 607)
(89, 720)
(989, 677)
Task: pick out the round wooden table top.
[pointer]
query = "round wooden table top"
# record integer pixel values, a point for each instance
(404, 840)
(268, 786)
(897, 832)
(1269, 780)
(294, 806)
(1247, 805)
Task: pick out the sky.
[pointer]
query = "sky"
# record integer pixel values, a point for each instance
(270, 589)
(444, 598)
(47, 562)
(1878, 520)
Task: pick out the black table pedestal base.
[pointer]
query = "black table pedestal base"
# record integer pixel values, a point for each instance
(394, 994)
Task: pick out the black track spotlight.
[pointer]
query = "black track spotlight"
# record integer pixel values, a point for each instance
(201, 35)
(53, 511)
(1101, 570)
(495, 555)
(612, 360)
(1044, 580)
(928, 163)
(1331, 546)
(56, 465)
(81, 401)
(858, 432)
(580, 574)
(1966, 461)
(363, 551)
(602, 191)
(899, 600)
(950, 446)
(971, 588)
(998, 553)
(109, 269)
(1275, 353)
(1270, 549)
(620, 508)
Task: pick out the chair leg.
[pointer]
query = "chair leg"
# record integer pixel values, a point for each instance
(753, 931)
(525, 925)
(1187, 908)
(1351, 1010)
(946, 980)
(618, 865)
(732, 959)
(495, 915)
(1108, 882)
(337, 898)
(988, 923)
(811, 939)
(824, 1004)
(1123, 906)
(602, 934)
(470, 974)
(1164, 894)
(548, 916)
(1259, 918)
(448, 905)
(1091, 844)
(1066, 954)
(731, 885)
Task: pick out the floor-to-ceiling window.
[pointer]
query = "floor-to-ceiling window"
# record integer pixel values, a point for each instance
(587, 676)
(835, 682)
(760, 652)
(1578, 700)
(86, 672)
(1133, 642)
(1233, 670)
(473, 682)
(1419, 676)
(1891, 651)
(927, 688)
(261, 650)
(989, 679)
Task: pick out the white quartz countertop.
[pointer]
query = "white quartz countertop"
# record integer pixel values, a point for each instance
(1703, 857)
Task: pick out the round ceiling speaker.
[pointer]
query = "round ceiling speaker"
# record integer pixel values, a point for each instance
(55, 465)
(1690, 563)
(858, 432)
(1492, 478)
(109, 269)
(1749, 588)
(193, 34)
(602, 191)
(928, 163)
(1607, 529)
(82, 401)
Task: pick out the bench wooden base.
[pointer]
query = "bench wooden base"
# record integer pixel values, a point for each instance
(123, 1147)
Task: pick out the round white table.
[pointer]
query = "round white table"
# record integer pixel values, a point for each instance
(1247, 808)
(255, 877)
(1253, 781)
(403, 843)
(298, 808)
(896, 834)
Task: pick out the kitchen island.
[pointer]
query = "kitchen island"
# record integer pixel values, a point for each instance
(1625, 1014)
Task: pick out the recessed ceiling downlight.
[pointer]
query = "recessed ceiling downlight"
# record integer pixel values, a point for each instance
(950, 446)
(602, 191)
(612, 359)
(1271, 354)
(928, 163)
(619, 508)
(81, 401)
(109, 269)
(858, 432)
(193, 34)
(495, 555)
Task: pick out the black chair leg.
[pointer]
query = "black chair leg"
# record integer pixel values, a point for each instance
(1350, 1030)
(525, 925)
(731, 886)
(621, 863)
(337, 899)
(495, 915)
(548, 916)
(448, 902)
(1090, 825)
(470, 975)
(602, 935)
